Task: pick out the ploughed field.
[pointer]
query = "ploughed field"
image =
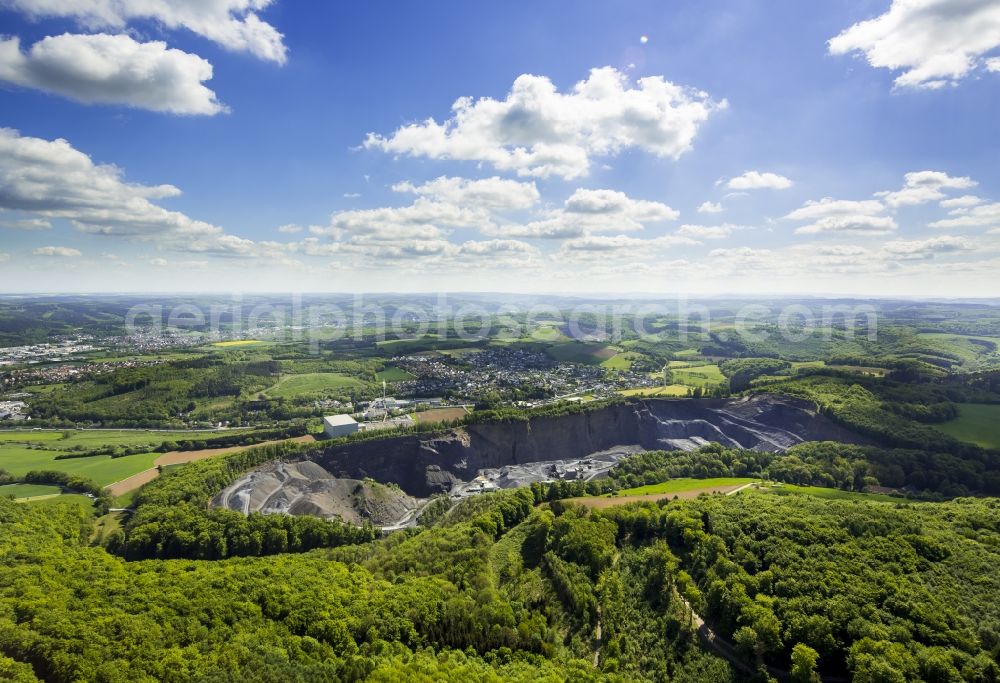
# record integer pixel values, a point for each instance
(387, 481)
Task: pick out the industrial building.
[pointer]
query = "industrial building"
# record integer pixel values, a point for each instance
(339, 425)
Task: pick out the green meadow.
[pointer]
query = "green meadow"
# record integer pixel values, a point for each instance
(977, 423)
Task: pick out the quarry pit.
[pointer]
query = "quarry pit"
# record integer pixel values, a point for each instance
(386, 482)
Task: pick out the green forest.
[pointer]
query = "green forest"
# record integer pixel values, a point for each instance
(503, 589)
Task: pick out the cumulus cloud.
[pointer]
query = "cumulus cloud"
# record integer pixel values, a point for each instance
(423, 219)
(835, 207)
(51, 179)
(56, 251)
(233, 24)
(920, 187)
(856, 224)
(600, 247)
(26, 224)
(106, 69)
(706, 232)
(925, 249)
(962, 202)
(843, 216)
(592, 211)
(755, 180)
(289, 229)
(614, 203)
(538, 131)
(740, 258)
(488, 247)
(710, 207)
(987, 215)
(932, 42)
(490, 193)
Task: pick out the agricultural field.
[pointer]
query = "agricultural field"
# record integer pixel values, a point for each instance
(313, 384)
(27, 450)
(977, 423)
(393, 374)
(620, 361)
(683, 489)
(81, 501)
(548, 333)
(586, 353)
(704, 376)
(829, 494)
(684, 484)
(102, 469)
(440, 414)
(236, 343)
(29, 490)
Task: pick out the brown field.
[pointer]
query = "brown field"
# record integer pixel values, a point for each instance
(440, 415)
(600, 502)
(179, 458)
(122, 487)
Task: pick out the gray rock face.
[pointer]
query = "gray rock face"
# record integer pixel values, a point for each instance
(427, 464)
(327, 483)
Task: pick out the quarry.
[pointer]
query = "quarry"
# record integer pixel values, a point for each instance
(386, 482)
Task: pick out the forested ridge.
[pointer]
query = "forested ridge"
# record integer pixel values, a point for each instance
(503, 589)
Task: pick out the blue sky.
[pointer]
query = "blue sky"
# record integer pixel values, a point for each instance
(753, 111)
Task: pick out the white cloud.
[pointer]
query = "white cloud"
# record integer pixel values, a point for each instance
(740, 258)
(920, 187)
(289, 229)
(233, 24)
(424, 219)
(987, 215)
(491, 193)
(993, 64)
(755, 180)
(351, 195)
(488, 247)
(925, 249)
(856, 224)
(592, 211)
(962, 202)
(845, 216)
(933, 42)
(538, 131)
(614, 203)
(604, 246)
(56, 251)
(27, 224)
(51, 179)
(706, 232)
(105, 69)
(710, 207)
(835, 207)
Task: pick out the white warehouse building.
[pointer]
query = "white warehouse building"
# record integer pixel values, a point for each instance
(339, 425)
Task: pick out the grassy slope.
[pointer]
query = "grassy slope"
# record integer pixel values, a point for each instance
(28, 490)
(833, 494)
(312, 383)
(102, 469)
(684, 484)
(976, 423)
